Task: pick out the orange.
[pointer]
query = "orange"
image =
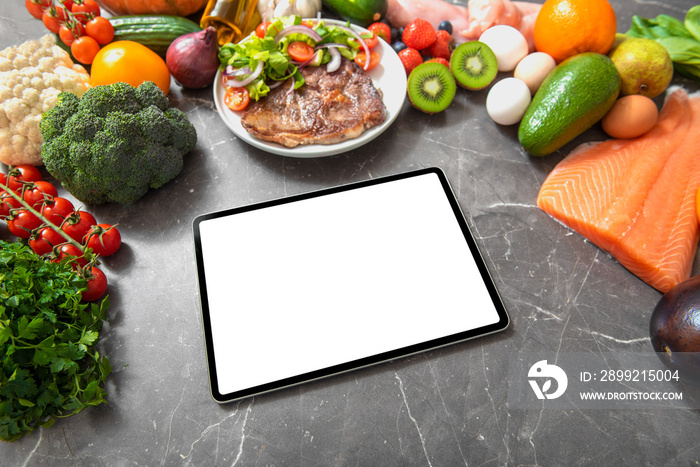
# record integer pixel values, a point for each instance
(564, 28)
(129, 62)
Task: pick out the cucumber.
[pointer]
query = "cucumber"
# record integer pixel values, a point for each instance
(573, 97)
(360, 12)
(156, 32)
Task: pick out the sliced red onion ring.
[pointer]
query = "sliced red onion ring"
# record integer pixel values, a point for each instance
(235, 83)
(362, 42)
(299, 28)
(334, 64)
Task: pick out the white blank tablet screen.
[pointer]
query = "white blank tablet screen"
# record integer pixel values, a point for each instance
(311, 285)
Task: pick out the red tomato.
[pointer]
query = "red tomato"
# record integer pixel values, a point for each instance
(36, 7)
(57, 209)
(103, 239)
(300, 51)
(23, 173)
(7, 203)
(37, 192)
(237, 99)
(50, 21)
(43, 242)
(84, 49)
(74, 254)
(70, 31)
(100, 29)
(85, 10)
(361, 59)
(261, 29)
(22, 223)
(78, 224)
(96, 285)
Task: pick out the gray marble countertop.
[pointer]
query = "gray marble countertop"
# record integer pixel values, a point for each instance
(440, 408)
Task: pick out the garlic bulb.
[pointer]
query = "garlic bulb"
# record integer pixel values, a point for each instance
(269, 9)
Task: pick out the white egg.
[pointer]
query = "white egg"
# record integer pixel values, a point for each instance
(508, 44)
(508, 100)
(534, 68)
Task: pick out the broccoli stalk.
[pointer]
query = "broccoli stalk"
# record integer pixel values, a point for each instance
(115, 142)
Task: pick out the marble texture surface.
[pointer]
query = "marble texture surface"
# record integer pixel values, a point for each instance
(441, 408)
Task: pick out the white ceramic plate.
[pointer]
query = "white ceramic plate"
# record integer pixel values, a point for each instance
(388, 76)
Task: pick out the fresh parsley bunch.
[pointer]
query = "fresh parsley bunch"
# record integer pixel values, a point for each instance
(49, 366)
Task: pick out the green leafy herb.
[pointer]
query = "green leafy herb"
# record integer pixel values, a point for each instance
(49, 366)
(680, 38)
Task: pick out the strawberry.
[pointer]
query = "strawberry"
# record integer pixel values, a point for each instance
(439, 49)
(443, 35)
(410, 58)
(381, 29)
(440, 60)
(419, 34)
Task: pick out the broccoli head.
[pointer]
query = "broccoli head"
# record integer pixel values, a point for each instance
(115, 142)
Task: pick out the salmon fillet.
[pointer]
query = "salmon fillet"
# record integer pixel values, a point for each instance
(635, 199)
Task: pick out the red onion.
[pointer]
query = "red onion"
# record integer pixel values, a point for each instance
(193, 58)
(357, 37)
(233, 82)
(300, 28)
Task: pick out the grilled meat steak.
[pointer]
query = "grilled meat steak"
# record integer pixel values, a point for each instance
(327, 109)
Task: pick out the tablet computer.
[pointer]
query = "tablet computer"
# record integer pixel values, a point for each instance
(312, 285)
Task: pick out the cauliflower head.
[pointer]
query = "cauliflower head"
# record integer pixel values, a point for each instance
(32, 75)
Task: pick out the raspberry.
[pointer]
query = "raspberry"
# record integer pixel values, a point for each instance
(419, 34)
(410, 58)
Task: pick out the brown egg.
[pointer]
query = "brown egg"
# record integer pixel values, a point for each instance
(630, 116)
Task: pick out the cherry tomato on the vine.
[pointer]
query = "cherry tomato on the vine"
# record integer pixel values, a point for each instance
(96, 285)
(43, 241)
(57, 209)
(103, 239)
(70, 31)
(37, 192)
(7, 203)
(84, 49)
(361, 59)
(50, 21)
(78, 224)
(36, 7)
(84, 10)
(23, 173)
(100, 29)
(75, 255)
(237, 98)
(22, 222)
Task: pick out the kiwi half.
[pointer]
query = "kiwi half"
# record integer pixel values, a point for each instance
(431, 87)
(474, 65)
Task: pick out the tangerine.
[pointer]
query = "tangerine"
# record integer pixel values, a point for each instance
(129, 62)
(565, 28)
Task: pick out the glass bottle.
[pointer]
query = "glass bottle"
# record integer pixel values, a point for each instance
(232, 19)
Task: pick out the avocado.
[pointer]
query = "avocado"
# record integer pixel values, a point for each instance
(573, 97)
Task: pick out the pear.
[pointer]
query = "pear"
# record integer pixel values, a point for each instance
(644, 65)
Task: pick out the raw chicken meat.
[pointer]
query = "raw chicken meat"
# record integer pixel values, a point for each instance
(468, 22)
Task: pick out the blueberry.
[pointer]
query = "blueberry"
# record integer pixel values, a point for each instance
(398, 46)
(446, 26)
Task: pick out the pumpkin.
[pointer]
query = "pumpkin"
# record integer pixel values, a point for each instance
(152, 7)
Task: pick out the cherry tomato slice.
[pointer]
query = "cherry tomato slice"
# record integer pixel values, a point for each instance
(237, 99)
(300, 51)
(361, 59)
